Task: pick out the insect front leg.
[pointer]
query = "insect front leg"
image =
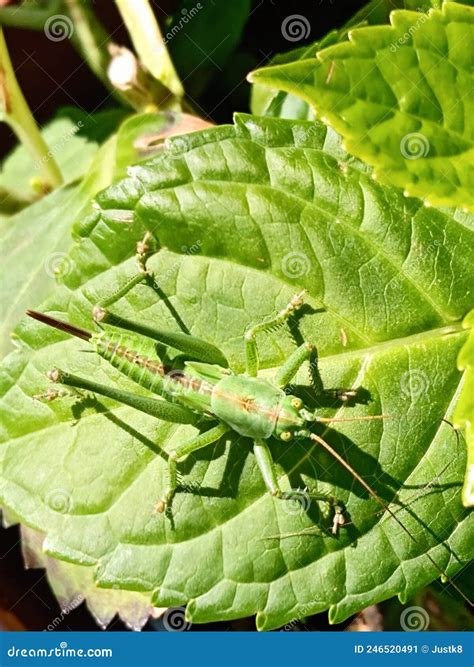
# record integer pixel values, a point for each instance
(268, 325)
(143, 250)
(267, 468)
(200, 441)
(287, 372)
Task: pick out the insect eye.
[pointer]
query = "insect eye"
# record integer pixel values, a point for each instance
(297, 403)
(286, 435)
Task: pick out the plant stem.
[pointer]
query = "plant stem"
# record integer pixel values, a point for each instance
(91, 40)
(15, 111)
(87, 34)
(26, 17)
(149, 43)
(89, 37)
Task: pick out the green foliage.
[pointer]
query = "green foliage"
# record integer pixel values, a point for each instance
(392, 92)
(280, 104)
(248, 215)
(30, 267)
(73, 584)
(73, 138)
(464, 413)
(202, 36)
(276, 103)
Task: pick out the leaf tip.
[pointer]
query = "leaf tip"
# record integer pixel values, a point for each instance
(190, 610)
(261, 621)
(333, 614)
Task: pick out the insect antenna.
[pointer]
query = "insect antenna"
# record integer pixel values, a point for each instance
(456, 431)
(313, 417)
(329, 420)
(60, 325)
(316, 438)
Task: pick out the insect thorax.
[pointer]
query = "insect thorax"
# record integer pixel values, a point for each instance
(252, 406)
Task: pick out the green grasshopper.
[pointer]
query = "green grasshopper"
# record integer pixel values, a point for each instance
(202, 390)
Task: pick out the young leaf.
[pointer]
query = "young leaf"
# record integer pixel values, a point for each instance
(248, 216)
(401, 96)
(279, 104)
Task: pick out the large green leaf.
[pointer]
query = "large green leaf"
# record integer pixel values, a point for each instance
(74, 584)
(276, 103)
(280, 104)
(464, 414)
(247, 216)
(402, 97)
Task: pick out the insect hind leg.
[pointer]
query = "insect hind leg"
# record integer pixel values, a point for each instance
(267, 468)
(142, 253)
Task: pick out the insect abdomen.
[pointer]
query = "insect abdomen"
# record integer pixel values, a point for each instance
(249, 406)
(138, 365)
(146, 372)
